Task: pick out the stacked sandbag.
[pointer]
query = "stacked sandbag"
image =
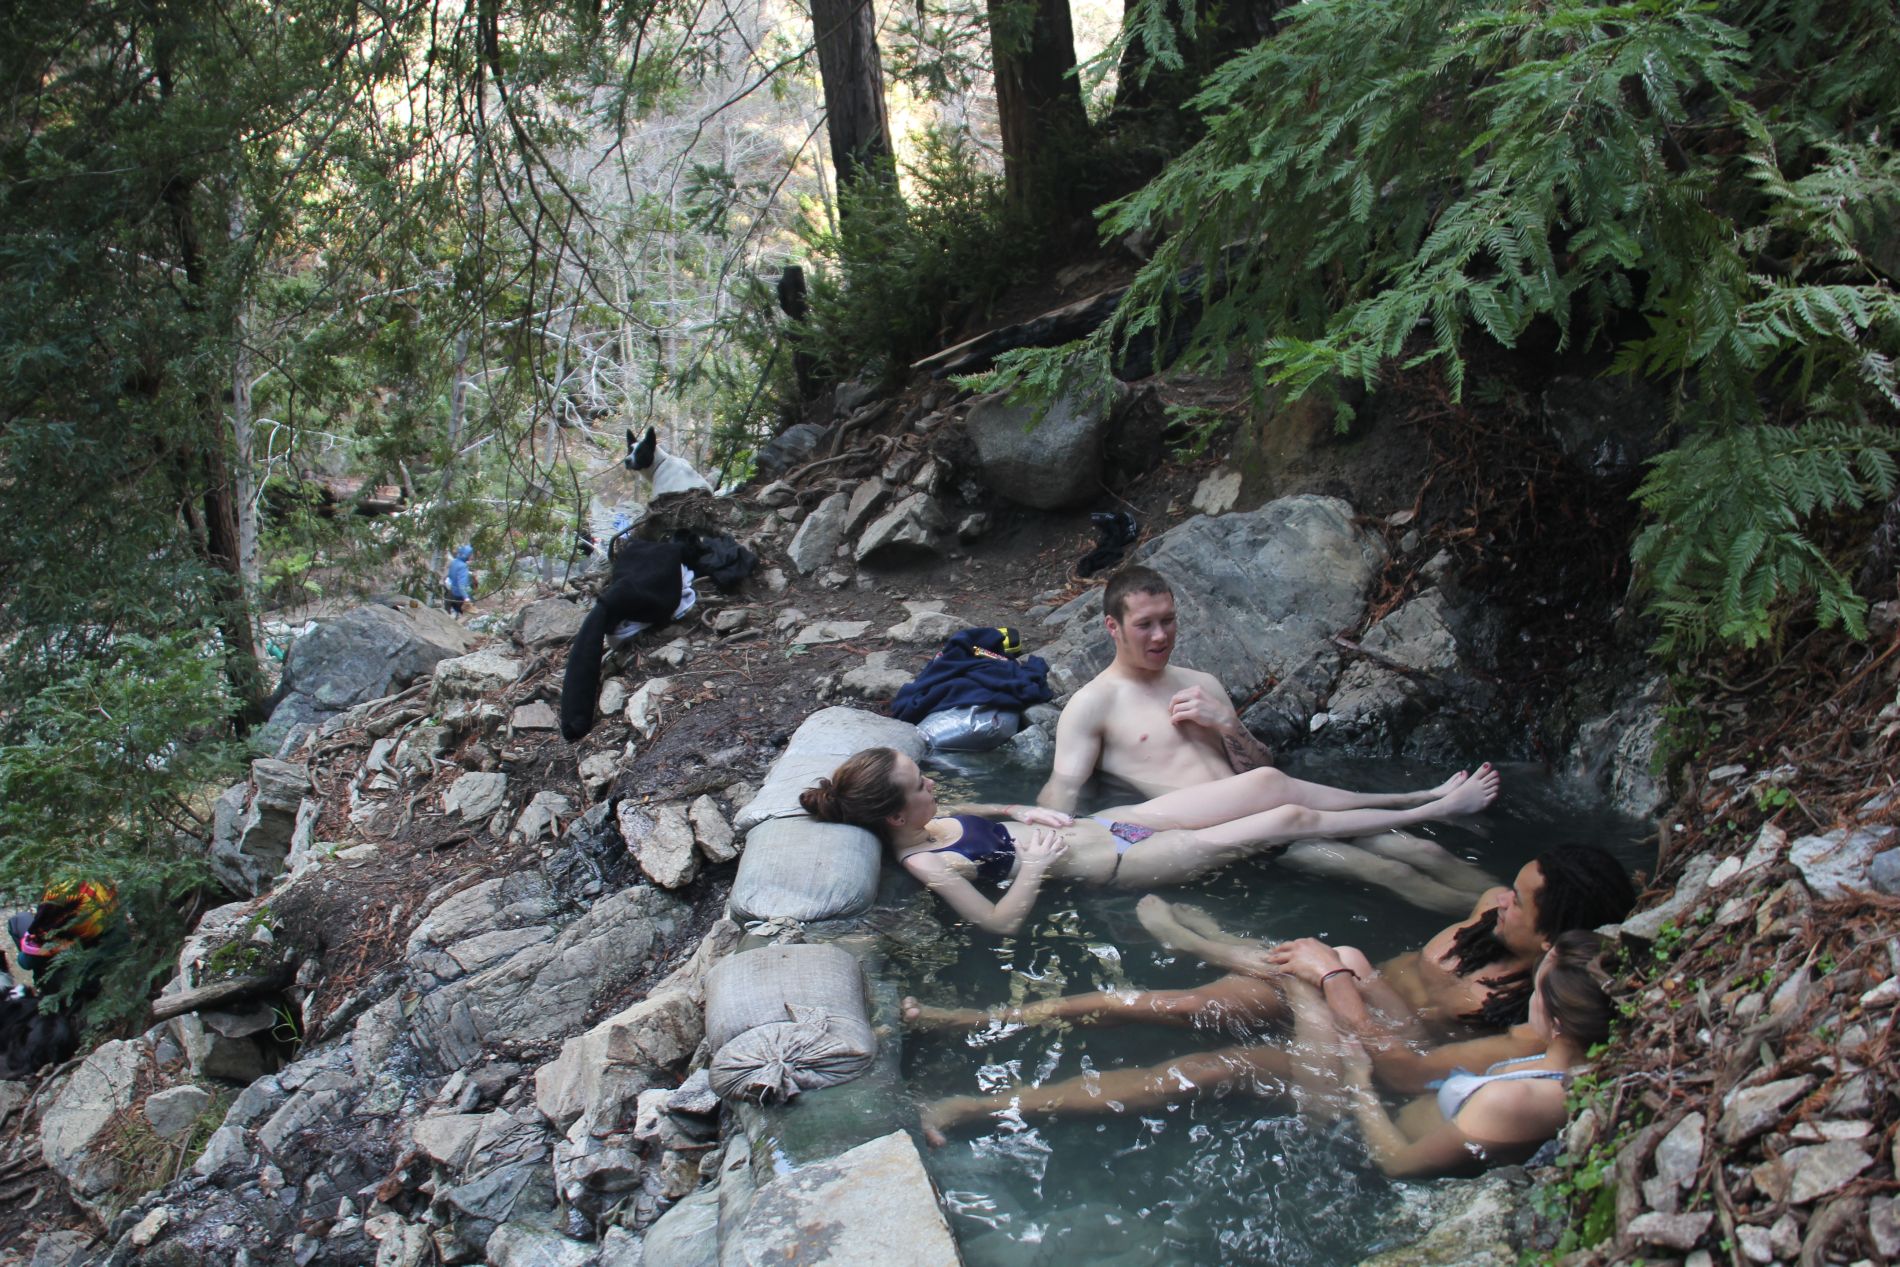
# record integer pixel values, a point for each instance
(784, 1019)
(793, 867)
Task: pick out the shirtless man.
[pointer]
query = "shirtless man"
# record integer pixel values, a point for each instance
(1474, 974)
(1159, 728)
(1155, 726)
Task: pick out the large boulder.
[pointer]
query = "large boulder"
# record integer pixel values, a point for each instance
(361, 655)
(865, 1208)
(538, 988)
(1049, 464)
(76, 1123)
(1260, 596)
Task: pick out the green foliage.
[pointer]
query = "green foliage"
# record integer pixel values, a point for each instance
(903, 270)
(1380, 184)
(1728, 538)
(102, 776)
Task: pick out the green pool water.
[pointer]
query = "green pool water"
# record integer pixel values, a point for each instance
(1236, 1179)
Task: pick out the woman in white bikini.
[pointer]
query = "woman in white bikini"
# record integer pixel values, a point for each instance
(1467, 1122)
(1168, 840)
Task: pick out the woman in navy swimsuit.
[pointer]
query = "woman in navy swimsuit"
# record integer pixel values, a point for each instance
(1162, 841)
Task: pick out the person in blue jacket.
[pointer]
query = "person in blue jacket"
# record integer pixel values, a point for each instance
(455, 583)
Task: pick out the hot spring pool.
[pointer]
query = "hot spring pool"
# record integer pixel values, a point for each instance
(1234, 1179)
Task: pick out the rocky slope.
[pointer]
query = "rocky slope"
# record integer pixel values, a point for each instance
(458, 1017)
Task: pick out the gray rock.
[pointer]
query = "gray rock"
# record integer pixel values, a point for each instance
(534, 715)
(973, 526)
(1617, 752)
(818, 538)
(12, 1096)
(1749, 1111)
(599, 1075)
(1841, 861)
(869, 1207)
(1688, 895)
(549, 622)
(662, 840)
(1260, 596)
(1884, 873)
(865, 498)
(694, 1096)
(519, 1245)
(254, 824)
(824, 631)
(1051, 464)
(1470, 1226)
(599, 770)
(1671, 1231)
(1216, 494)
(102, 1087)
(363, 655)
(540, 817)
(875, 679)
(687, 1235)
(475, 795)
(544, 992)
(1820, 1170)
(65, 1248)
(210, 1052)
(1757, 1245)
(1883, 1225)
(711, 831)
(613, 696)
(913, 526)
(789, 448)
(927, 623)
(447, 1138)
(472, 677)
(173, 1111)
(1677, 1160)
(643, 709)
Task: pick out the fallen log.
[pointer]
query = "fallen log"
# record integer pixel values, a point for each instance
(228, 990)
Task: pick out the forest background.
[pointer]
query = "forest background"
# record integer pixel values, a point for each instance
(456, 246)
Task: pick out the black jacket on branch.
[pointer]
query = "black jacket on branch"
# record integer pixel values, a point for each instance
(645, 587)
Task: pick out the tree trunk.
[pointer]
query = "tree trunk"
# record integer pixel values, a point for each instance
(210, 467)
(1038, 104)
(846, 32)
(241, 435)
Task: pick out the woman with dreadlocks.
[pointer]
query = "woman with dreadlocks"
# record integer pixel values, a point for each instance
(1473, 976)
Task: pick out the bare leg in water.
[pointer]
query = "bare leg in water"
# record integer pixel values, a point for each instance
(1304, 1070)
(1175, 855)
(1259, 1069)
(1242, 1002)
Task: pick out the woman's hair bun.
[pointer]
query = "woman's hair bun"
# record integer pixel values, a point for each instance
(820, 801)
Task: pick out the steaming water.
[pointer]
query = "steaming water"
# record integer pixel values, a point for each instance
(1234, 1179)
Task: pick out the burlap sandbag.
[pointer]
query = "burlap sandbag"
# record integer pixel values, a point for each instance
(797, 868)
(817, 748)
(786, 1019)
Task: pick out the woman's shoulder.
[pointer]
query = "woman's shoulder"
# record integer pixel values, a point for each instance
(1515, 1109)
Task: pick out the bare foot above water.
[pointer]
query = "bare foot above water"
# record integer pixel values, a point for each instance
(1474, 793)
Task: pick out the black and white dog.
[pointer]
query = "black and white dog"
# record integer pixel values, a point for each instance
(664, 472)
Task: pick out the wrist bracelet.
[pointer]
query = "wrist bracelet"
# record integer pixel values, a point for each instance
(1337, 972)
